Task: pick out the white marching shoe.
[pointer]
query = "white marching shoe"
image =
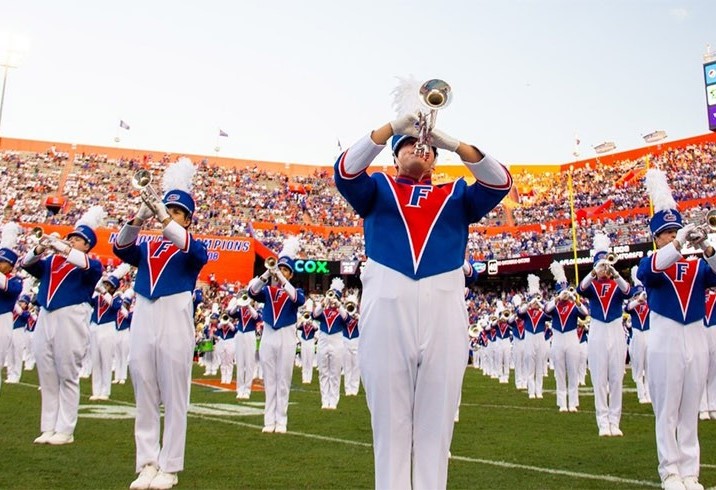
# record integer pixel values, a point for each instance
(672, 482)
(60, 439)
(692, 483)
(145, 477)
(44, 437)
(164, 480)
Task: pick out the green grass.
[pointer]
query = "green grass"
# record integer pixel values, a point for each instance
(501, 441)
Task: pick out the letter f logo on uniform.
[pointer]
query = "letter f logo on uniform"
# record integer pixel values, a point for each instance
(163, 247)
(681, 270)
(419, 192)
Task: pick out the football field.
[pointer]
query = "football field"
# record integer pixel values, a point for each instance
(503, 440)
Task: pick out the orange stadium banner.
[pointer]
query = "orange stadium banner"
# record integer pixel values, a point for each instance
(230, 258)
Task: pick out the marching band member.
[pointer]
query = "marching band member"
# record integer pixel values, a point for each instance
(62, 332)
(225, 348)
(106, 303)
(10, 290)
(332, 318)
(638, 310)
(606, 290)
(351, 341)
(30, 333)
(278, 339)
(412, 356)
(246, 317)
(211, 358)
(534, 319)
(21, 317)
(677, 357)
(503, 345)
(124, 324)
(161, 340)
(564, 310)
(519, 359)
(490, 348)
(583, 336)
(708, 399)
(307, 336)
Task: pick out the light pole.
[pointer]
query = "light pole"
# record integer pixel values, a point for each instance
(12, 49)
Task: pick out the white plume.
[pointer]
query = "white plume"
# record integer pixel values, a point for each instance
(601, 242)
(93, 217)
(406, 98)
(532, 284)
(10, 232)
(179, 176)
(128, 294)
(557, 271)
(291, 246)
(634, 279)
(337, 284)
(351, 298)
(215, 307)
(121, 270)
(517, 300)
(659, 190)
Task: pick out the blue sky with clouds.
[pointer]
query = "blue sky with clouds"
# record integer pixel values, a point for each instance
(287, 79)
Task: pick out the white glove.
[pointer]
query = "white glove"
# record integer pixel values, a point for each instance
(160, 210)
(144, 213)
(62, 248)
(405, 125)
(442, 140)
(683, 233)
(704, 244)
(613, 271)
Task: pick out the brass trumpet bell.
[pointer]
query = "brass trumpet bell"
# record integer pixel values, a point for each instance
(271, 263)
(435, 94)
(351, 307)
(243, 299)
(142, 181)
(474, 331)
(611, 258)
(306, 316)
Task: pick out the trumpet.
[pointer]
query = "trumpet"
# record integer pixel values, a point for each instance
(224, 318)
(306, 316)
(243, 299)
(611, 258)
(474, 331)
(351, 307)
(505, 314)
(142, 181)
(493, 319)
(271, 263)
(46, 241)
(700, 233)
(537, 300)
(330, 295)
(434, 94)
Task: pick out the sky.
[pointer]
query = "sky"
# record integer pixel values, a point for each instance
(288, 80)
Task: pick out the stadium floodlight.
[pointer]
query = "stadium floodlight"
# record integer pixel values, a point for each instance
(12, 50)
(605, 147)
(654, 136)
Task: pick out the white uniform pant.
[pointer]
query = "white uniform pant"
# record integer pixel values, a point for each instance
(5, 339)
(637, 354)
(607, 357)
(535, 358)
(677, 359)
(308, 356)
(161, 347)
(708, 399)
(503, 349)
(226, 351)
(351, 371)
(519, 359)
(29, 351)
(121, 355)
(565, 356)
(412, 361)
(330, 362)
(17, 349)
(583, 358)
(277, 350)
(60, 342)
(102, 345)
(245, 354)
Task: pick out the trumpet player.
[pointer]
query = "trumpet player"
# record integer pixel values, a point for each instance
(278, 339)
(503, 345)
(225, 348)
(606, 290)
(246, 318)
(638, 310)
(124, 324)
(564, 311)
(307, 337)
(708, 399)
(533, 317)
(106, 304)
(161, 340)
(61, 333)
(677, 357)
(10, 290)
(351, 341)
(332, 318)
(21, 319)
(519, 358)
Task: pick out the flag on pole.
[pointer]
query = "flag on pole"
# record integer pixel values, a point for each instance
(123, 125)
(577, 142)
(340, 148)
(223, 133)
